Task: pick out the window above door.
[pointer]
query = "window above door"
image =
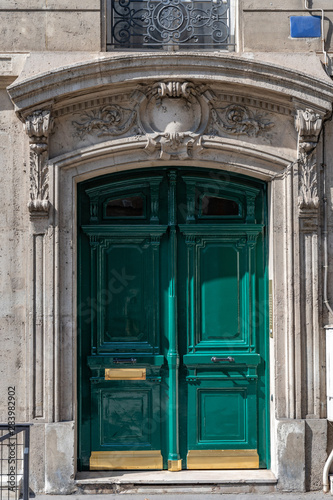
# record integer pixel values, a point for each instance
(170, 24)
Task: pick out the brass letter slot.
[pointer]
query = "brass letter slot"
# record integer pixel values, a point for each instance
(125, 373)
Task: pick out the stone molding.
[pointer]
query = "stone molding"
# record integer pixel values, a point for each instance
(266, 160)
(38, 126)
(228, 98)
(115, 71)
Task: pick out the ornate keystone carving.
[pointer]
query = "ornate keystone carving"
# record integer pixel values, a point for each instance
(174, 115)
(308, 124)
(112, 120)
(174, 89)
(239, 120)
(38, 126)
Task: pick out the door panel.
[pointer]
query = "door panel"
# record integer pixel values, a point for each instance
(172, 350)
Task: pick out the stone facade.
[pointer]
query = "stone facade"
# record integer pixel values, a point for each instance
(70, 111)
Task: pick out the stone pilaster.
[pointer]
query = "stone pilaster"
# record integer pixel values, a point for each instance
(308, 124)
(43, 358)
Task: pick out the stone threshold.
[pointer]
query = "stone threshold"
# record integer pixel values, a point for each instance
(182, 477)
(204, 481)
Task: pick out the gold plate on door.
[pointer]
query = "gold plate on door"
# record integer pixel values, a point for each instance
(222, 459)
(125, 373)
(174, 465)
(126, 460)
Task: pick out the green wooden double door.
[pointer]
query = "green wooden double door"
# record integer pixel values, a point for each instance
(172, 321)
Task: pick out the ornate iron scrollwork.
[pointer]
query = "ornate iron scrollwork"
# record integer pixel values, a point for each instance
(160, 23)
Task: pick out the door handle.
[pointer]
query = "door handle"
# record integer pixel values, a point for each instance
(229, 358)
(118, 361)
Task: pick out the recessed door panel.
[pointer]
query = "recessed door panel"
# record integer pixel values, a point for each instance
(222, 415)
(124, 270)
(125, 416)
(226, 414)
(220, 276)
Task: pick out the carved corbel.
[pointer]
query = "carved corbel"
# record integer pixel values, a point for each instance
(308, 124)
(38, 126)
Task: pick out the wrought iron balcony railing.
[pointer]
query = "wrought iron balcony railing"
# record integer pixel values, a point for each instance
(170, 24)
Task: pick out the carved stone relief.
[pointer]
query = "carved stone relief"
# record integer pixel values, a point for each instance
(308, 124)
(173, 116)
(109, 120)
(238, 120)
(38, 126)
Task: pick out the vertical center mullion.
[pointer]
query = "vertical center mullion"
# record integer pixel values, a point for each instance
(174, 462)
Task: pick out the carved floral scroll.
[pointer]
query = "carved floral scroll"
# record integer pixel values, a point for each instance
(239, 120)
(38, 126)
(308, 124)
(109, 120)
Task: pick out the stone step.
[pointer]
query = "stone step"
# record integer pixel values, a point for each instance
(222, 481)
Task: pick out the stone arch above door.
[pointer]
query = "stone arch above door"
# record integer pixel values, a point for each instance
(252, 116)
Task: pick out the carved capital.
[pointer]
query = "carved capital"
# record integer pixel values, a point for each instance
(38, 126)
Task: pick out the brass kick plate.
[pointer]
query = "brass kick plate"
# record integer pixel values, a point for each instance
(125, 373)
(174, 465)
(126, 460)
(222, 459)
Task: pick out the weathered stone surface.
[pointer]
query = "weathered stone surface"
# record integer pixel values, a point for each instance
(291, 455)
(49, 4)
(315, 452)
(37, 460)
(59, 460)
(263, 23)
(283, 5)
(46, 30)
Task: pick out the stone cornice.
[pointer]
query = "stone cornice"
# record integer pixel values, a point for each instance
(120, 71)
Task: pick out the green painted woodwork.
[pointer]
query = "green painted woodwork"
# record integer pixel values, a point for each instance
(168, 291)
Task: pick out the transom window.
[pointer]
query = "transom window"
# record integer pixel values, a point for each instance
(131, 206)
(170, 24)
(214, 206)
